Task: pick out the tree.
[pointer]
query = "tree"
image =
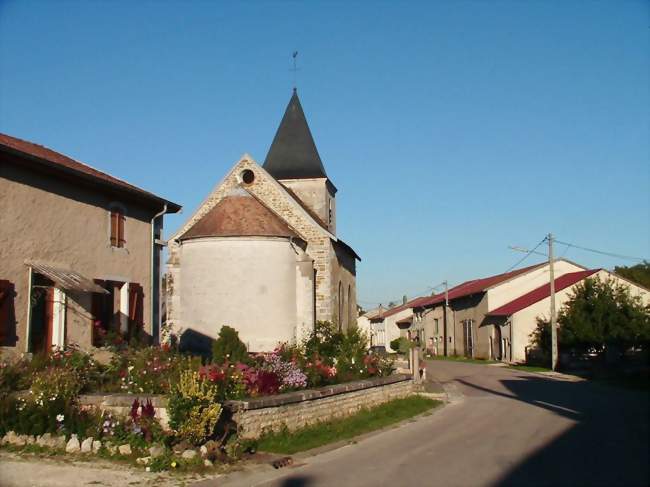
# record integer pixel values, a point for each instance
(228, 347)
(639, 273)
(599, 315)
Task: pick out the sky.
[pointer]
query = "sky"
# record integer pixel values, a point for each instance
(452, 129)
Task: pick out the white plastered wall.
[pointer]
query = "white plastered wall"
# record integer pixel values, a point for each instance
(248, 283)
(524, 322)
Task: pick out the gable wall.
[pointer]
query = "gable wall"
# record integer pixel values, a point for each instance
(274, 197)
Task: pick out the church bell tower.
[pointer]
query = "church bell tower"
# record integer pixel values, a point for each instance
(294, 161)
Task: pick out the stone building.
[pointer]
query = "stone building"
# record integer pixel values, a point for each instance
(261, 253)
(79, 252)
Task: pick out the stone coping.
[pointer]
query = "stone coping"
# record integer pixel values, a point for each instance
(121, 399)
(160, 401)
(311, 394)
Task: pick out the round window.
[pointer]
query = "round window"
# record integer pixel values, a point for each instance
(247, 176)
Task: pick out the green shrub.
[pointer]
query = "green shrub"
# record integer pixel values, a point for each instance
(228, 347)
(192, 407)
(401, 345)
(324, 341)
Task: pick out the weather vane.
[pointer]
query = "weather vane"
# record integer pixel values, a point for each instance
(295, 68)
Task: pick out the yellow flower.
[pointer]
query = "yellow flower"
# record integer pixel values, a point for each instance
(173, 464)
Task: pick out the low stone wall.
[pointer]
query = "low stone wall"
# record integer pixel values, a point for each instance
(302, 408)
(294, 410)
(120, 404)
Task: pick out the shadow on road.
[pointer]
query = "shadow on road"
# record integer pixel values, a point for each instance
(297, 481)
(607, 446)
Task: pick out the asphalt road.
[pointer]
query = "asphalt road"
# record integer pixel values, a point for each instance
(503, 427)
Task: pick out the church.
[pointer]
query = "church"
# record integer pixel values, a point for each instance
(261, 253)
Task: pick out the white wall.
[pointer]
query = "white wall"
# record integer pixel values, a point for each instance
(248, 283)
(512, 289)
(392, 330)
(524, 322)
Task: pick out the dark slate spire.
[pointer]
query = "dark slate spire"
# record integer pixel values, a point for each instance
(293, 153)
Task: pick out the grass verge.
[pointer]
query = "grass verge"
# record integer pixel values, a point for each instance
(529, 368)
(459, 358)
(364, 421)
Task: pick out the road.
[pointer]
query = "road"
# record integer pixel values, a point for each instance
(503, 427)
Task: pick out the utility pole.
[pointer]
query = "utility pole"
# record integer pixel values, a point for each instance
(552, 286)
(446, 333)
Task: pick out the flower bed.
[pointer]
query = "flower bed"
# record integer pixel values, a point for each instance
(51, 385)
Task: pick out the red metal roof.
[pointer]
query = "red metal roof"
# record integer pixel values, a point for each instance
(541, 292)
(413, 303)
(64, 163)
(475, 286)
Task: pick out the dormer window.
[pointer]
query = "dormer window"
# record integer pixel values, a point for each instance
(117, 221)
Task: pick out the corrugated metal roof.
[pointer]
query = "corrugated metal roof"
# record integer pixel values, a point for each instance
(67, 279)
(540, 293)
(475, 286)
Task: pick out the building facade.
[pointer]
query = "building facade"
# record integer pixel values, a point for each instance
(261, 253)
(79, 252)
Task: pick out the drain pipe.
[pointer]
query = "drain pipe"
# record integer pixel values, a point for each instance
(155, 299)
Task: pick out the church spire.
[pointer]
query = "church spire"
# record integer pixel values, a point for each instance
(293, 153)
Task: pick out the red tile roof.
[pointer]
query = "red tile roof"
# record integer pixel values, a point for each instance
(236, 216)
(541, 292)
(476, 286)
(60, 162)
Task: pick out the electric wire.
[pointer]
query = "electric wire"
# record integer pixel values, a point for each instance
(528, 254)
(602, 252)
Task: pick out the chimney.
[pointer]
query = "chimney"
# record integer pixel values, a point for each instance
(404, 300)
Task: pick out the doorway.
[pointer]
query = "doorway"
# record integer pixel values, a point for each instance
(42, 315)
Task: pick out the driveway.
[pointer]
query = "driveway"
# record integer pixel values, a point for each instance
(503, 427)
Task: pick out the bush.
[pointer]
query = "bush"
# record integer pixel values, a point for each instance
(150, 370)
(228, 347)
(324, 341)
(401, 345)
(193, 410)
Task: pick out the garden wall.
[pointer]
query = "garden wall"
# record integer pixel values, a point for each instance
(302, 408)
(293, 409)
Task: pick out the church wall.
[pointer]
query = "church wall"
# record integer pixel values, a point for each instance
(248, 283)
(316, 195)
(343, 275)
(275, 197)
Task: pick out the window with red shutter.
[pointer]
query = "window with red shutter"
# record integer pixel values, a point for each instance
(118, 220)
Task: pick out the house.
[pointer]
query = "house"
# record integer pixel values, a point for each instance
(261, 253)
(396, 322)
(79, 251)
(458, 324)
(517, 319)
(373, 329)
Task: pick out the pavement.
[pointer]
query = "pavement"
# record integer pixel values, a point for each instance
(501, 427)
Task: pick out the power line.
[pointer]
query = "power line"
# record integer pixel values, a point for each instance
(527, 254)
(609, 254)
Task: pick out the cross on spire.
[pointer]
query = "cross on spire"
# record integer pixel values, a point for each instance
(294, 69)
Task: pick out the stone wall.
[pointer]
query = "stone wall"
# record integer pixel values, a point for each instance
(298, 409)
(293, 409)
(120, 404)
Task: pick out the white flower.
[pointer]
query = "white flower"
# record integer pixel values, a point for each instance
(130, 368)
(60, 418)
(148, 469)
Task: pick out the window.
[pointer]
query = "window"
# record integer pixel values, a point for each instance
(435, 326)
(117, 227)
(330, 211)
(247, 176)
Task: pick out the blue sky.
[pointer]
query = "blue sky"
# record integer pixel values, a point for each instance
(452, 129)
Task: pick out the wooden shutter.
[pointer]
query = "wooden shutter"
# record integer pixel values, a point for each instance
(121, 219)
(136, 308)
(6, 306)
(114, 228)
